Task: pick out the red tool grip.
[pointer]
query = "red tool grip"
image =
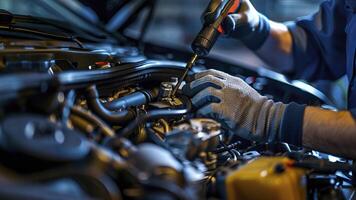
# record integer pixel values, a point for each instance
(233, 9)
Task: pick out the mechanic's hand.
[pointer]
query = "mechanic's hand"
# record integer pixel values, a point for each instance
(247, 24)
(235, 104)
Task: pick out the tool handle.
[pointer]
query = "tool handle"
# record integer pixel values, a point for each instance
(209, 34)
(234, 7)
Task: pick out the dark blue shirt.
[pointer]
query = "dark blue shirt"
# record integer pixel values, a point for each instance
(324, 45)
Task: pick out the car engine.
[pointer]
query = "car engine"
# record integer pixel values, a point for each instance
(94, 124)
(88, 114)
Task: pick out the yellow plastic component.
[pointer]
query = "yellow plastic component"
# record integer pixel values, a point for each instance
(267, 178)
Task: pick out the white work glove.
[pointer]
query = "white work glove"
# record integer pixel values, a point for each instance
(234, 103)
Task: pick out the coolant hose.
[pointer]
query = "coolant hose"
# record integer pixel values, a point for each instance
(114, 118)
(157, 114)
(137, 98)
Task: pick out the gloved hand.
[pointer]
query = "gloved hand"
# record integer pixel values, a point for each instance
(236, 105)
(247, 24)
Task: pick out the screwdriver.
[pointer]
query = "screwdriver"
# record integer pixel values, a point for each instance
(207, 37)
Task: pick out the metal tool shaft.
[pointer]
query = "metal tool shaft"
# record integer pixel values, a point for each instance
(188, 67)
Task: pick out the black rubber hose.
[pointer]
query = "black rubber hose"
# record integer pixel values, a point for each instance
(114, 118)
(93, 120)
(324, 166)
(134, 99)
(156, 114)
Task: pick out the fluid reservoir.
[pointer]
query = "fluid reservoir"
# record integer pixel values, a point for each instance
(267, 178)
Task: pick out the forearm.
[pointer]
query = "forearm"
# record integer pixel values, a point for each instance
(277, 50)
(329, 131)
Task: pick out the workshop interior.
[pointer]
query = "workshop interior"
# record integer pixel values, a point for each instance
(92, 107)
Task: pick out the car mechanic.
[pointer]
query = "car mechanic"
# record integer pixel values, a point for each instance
(318, 47)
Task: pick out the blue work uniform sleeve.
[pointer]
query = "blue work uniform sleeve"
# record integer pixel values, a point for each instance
(353, 112)
(319, 43)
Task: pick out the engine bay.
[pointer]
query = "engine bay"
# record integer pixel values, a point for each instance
(102, 125)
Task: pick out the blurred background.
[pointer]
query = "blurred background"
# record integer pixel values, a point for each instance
(176, 22)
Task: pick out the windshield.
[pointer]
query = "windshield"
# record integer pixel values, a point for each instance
(69, 11)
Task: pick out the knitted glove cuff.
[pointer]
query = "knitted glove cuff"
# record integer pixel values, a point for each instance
(291, 129)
